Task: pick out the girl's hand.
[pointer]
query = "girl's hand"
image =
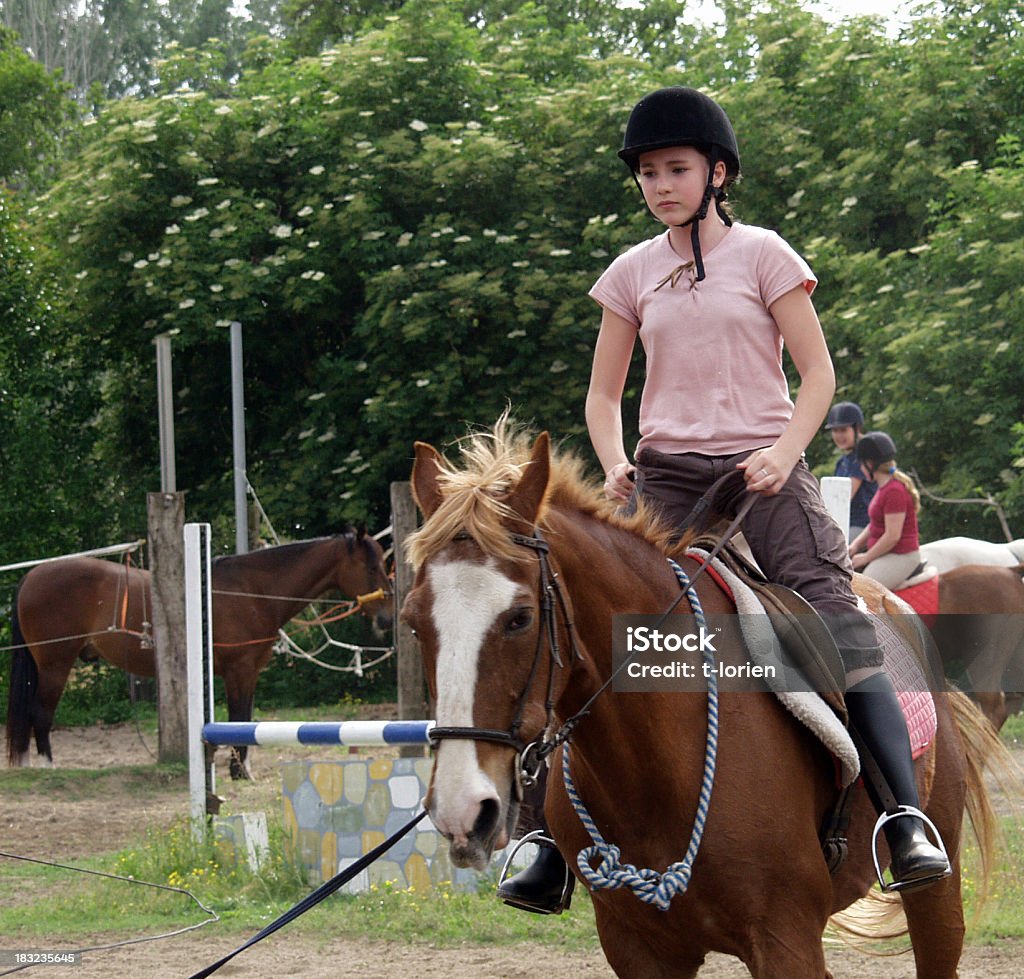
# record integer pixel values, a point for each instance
(765, 472)
(618, 482)
(860, 561)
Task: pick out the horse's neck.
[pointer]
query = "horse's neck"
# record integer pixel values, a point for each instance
(313, 569)
(308, 571)
(609, 571)
(606, 571)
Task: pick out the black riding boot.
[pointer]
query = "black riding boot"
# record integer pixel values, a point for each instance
(876, 716)
(545, 887)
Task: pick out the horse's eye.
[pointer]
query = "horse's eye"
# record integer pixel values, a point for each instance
(520, 619)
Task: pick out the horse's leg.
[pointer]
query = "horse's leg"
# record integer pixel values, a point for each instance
(935, 918)
(630, 952)
(240, 690)
(37, 704)
(783, 951)
(935, 914)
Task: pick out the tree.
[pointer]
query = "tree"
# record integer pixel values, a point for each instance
(407, 225)
(35, 114)
(45, 469)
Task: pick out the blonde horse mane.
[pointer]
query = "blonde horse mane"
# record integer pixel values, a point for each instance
(474, 496)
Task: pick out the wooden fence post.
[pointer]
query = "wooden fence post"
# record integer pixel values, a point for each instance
(412, 700)
(166, 519)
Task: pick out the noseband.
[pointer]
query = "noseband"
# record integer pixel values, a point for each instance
(552, 605)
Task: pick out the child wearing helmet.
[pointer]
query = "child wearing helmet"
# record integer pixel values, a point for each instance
(888, 549)
(845, 423)
(713, 303)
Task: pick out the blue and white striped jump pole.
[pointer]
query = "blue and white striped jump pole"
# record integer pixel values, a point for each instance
(361, 734)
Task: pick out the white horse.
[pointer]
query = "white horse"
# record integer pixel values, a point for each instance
(952, 552)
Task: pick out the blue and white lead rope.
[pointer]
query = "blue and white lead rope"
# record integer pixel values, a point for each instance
(649, 885)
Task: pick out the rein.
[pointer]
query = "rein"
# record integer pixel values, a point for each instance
(533, 755)
(548, 745)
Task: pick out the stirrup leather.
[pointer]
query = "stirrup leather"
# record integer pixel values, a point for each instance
(901, 813)
(536, 836)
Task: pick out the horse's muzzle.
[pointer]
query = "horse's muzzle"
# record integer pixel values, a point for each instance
(490, 832)
(382, 622)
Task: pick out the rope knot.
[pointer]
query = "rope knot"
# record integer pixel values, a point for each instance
(648, 885)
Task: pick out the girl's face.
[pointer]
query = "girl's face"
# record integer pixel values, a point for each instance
(845, 437)
(673, 182)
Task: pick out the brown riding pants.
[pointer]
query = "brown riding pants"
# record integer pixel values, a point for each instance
(792, 536)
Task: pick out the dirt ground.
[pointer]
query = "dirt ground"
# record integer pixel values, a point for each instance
(32, 826)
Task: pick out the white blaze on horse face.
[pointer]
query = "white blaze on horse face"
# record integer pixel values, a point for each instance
(467, 598)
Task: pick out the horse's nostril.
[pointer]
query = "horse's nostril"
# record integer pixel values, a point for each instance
(487, 819)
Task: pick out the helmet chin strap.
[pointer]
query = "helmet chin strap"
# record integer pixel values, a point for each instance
(710, 191)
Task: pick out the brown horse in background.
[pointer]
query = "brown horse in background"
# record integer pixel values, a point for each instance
(91, 608)
(515, 534)
(980, 635)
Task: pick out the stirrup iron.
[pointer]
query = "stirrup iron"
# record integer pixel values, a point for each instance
(903, 812)
(540, 837)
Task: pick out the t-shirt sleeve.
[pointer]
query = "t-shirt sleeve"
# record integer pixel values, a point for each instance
(781, 269)
(616, 290)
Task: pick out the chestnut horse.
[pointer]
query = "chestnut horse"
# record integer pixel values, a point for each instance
(93, 608)
(520, 568)
(980, 635)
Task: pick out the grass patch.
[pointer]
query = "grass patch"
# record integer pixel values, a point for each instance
(89, 783)
(1000, 917)
(1013, 731)
(67, 904)
(60, 903)
(446, 919)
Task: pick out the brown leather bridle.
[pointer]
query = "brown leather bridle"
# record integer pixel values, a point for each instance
(530, 756)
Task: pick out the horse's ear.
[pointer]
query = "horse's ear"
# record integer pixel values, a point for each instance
(526, 499)
(425, 488)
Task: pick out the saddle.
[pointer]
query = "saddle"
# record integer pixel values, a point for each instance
(805, 638)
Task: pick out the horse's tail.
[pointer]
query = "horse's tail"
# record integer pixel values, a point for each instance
(21, 693)
(984, 752)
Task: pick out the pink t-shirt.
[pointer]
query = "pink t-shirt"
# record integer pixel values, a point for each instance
(715, 382)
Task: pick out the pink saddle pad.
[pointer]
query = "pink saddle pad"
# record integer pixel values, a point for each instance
(911, 687)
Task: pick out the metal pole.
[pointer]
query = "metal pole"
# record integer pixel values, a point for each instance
(238, 441)
(165, 412)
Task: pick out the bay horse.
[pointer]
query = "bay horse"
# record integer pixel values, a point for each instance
(520, 567)
(979, 633)
(91, 608)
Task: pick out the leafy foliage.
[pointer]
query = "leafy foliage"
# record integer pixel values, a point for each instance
(407, 223)
(35, 113)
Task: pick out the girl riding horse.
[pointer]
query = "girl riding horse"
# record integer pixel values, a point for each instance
(723, 298)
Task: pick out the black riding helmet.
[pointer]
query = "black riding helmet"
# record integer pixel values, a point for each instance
(679, 116)
(876, 447)
(845, 414)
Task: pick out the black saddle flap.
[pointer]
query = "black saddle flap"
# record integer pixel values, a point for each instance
(801, 630)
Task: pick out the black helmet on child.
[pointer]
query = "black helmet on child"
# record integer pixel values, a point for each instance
(679, 116)
(843, 414)
(876, 447)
